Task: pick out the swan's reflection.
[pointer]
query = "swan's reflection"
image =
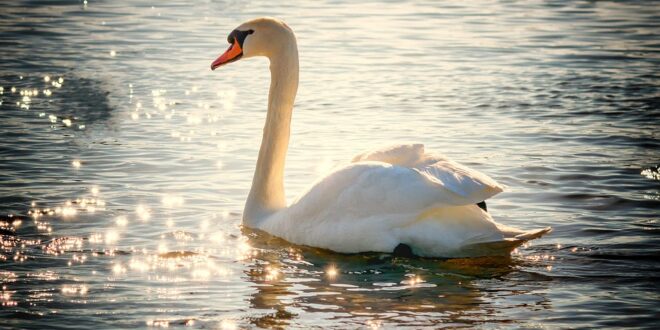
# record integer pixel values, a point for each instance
(373, 289)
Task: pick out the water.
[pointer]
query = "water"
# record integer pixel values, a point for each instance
(122, 190)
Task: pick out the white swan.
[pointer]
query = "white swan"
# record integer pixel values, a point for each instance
(397, 198)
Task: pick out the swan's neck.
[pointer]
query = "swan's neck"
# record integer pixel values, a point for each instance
(267, 193)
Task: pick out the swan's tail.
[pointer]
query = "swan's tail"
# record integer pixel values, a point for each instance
(505, 246)
(532, 234)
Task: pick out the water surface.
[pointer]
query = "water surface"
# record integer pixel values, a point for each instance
(126, 161)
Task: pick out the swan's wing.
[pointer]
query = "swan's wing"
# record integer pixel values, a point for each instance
(373, 189)
(460, 179)
(374, 206)
(367, 206)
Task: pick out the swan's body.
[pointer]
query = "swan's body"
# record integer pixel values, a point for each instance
(384, 198)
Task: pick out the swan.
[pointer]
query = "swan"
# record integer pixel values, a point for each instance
(398, 199)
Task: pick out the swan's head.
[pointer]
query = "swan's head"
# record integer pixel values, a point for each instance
(258, 37)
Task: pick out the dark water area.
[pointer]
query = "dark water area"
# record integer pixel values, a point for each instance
(125, 162)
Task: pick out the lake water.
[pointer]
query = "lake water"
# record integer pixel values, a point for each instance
(125, 162)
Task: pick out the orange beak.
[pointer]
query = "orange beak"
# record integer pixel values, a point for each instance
(233, 53)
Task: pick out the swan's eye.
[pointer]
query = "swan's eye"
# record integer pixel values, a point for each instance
(238, 36)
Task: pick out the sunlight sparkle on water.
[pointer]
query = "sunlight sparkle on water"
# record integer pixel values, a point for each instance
(651, 173)
(172, 201)
(70, 290)
(111, 236)
(139, 265)
(244, 250)
(272, 273)
(201, 273)
(228, 325)
(412, 280)
(118, 269)
(158, 323)
(143, 212)
(331, 272)
(5, 297)
(217, 237)
(375, 324)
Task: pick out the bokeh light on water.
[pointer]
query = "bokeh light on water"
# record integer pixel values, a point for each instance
(126, 162)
